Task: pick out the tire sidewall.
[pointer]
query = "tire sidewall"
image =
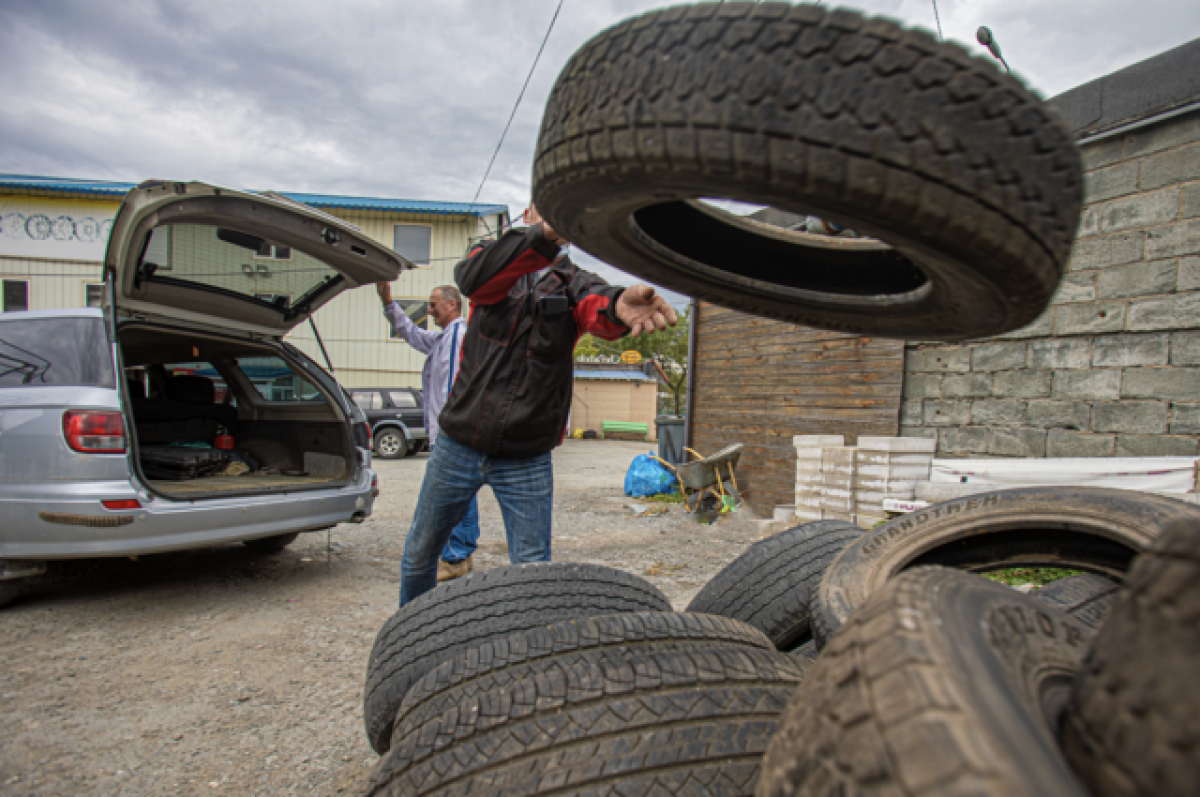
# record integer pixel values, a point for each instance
(400, 451)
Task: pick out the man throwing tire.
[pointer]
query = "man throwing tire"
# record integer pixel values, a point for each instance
(509, 405)
(437, 377)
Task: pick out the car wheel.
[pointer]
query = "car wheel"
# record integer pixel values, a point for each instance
(1083, 528)
(968, 185)
(469, 611)
(390, 444)
(10, 590)
(943, 683)
(269, 545)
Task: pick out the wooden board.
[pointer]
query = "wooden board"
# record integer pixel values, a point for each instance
(759, 382)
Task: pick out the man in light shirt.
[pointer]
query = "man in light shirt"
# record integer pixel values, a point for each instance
(441, 367)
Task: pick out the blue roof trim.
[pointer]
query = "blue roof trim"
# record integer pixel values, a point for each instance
(114, 189)
(627, 376)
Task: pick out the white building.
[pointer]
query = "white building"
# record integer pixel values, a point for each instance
(53, 232)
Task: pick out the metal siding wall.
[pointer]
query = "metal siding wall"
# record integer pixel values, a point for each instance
(759, 382)
(53, 284)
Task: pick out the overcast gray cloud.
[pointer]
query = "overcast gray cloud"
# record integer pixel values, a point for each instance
(401, 98)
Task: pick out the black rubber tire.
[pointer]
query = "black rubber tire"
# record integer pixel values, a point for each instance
(770, 585)
(944, 683)
(513, 658)
(807, 652)
(1088, 598)
(1082, 528)
(270, 545)
(10, 590)
(974, 182)
(385, 451)
(1131, 725)
(603, 722)
(479, 607)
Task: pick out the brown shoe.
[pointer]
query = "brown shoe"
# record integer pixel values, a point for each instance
(447, 571)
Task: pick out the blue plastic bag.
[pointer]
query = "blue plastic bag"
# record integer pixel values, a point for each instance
(646, 477)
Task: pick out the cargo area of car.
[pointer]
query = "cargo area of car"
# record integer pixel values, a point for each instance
(219, 416)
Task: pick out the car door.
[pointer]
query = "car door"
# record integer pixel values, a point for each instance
(373, 405)
(405, 407)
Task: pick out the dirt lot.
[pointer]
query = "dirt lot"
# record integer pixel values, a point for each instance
(217, 672)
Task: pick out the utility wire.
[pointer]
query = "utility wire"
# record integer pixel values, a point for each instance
(937, 17)
(517, 105)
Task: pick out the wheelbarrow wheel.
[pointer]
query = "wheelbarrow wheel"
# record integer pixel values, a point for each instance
(968, 186)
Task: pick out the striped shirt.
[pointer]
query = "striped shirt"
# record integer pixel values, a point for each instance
(444, 348)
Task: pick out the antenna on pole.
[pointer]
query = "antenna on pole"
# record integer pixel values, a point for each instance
(984, 36)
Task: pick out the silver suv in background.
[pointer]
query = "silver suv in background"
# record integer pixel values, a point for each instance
(178, 416)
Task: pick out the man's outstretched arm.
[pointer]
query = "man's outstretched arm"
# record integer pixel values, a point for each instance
(403, 327)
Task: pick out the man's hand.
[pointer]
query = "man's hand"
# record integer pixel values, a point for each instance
(532, 217)
(384, 289)
(643, 310)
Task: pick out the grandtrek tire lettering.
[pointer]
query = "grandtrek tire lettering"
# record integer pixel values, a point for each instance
(1084, 528)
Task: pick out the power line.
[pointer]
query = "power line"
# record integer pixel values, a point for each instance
(512, 115)
(937, 17)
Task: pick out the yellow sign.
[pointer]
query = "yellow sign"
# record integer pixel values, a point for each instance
(630, 357)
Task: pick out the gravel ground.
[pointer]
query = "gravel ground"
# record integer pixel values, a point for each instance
(219, 672)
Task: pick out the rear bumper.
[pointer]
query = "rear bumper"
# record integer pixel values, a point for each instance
(80, 527)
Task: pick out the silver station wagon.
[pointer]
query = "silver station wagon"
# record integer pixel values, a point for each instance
(178, 416)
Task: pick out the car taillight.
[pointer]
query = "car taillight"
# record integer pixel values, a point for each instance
(374, 481)
(370, 437)
(123, 503)
(94, 431)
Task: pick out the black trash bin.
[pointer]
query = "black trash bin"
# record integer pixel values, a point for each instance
(670, 438)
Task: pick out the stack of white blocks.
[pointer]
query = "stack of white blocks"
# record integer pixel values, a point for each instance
(839, 482)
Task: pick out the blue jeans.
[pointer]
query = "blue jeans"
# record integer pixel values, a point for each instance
(454, 474)
(464, 539)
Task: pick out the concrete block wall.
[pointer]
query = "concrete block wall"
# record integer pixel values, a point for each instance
(1112, 368)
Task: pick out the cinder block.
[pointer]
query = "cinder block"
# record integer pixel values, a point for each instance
(1156, 138)
(943, 360)
(1075, 288)
(1191, 201)
(1139, 212)
(1189, 274)
(911, 412)
(1110, 250)
(1101, 153)
(1161, 383)
(1083, 319)
(1175, 240)
(1060, 353)
(992, 357)
(947, 413)
(1089, 223)
(964, 440)
(921, 386)
(1142, 279)
(1093, 384)
(1181, 311)
(918, 431)
(1185, 347)
(1120, 351)
(894, 444)
(1108, 183)
(1017, 443)
(1037, 328)
(1185, 419)
(1075, 415)
(998, 412)
(1168, 168)
(967, 386)
(1159, 445)
(1061, 443)
(818, 441)
(1132, 417)
(1022, 384)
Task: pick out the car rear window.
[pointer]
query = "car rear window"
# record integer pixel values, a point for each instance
(54, 351)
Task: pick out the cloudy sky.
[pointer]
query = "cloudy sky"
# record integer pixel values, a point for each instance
(398, 98)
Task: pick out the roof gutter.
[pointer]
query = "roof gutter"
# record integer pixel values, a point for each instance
(1125, 128)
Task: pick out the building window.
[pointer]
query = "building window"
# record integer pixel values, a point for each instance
(16, 295)
(415, 309)
(413, 242)
(93, 294)
(269, 251)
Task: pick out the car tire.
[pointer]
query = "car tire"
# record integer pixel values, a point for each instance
(1088, 598)
(1083, 528)
(968, 185)
(943, 683)
(390, 443)
(602, 722)
(1130, 727)
(770, 586)
(270, 545)
(479, 607)
(510, 659)
(10, 590)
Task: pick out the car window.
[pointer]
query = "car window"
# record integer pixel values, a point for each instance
(402, 399)
(204, 369)
(367, 399)
(275, 380)
(54, 351)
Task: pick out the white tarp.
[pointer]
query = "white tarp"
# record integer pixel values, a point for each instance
(1148, 474)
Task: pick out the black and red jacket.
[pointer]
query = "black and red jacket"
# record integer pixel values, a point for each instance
(513, 391)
